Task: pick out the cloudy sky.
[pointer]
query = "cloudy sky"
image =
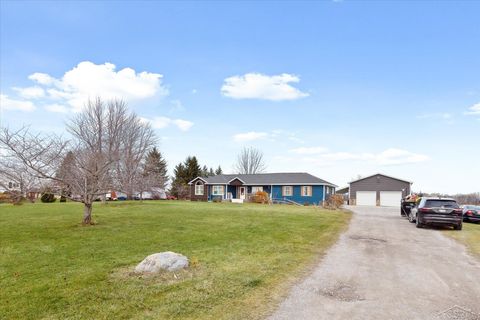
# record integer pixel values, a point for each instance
(337, 89)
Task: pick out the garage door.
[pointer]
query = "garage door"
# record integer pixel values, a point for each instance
(390, 198)
(366, 198)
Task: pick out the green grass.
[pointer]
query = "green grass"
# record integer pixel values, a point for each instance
(470, 236)
(243, 258)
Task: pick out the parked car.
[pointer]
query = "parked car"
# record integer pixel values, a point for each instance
(437, 211)
(471, 213)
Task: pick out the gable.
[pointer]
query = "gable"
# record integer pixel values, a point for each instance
(236, 182)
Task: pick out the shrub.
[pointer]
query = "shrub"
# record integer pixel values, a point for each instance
(48, 197)
(4, 197)
(260, 197)
(335, 201)
(217, 199)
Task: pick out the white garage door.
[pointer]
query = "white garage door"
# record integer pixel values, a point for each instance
(390, 198)
(366, 198)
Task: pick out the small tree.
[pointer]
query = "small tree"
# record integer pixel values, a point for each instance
(98, 145)
(218, 171)
(250, 161)
(155, 169)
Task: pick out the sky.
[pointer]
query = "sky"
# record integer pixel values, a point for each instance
(339, 89)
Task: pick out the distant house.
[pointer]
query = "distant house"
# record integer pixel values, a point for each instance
(378, 190)
(298, 187)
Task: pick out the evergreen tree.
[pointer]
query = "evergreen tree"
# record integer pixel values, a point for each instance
(204, 171)
(193, 169)
(178, 184)
(211, 172)
(218, 171)
(155, 169)
(183, 174)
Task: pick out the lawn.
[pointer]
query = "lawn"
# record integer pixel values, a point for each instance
(243, 258)
(470, 236)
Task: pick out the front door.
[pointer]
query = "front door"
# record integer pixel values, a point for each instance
(242, 192)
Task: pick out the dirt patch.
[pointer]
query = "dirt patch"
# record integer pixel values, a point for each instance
(341, 292)
(366, 238)
(459, 313)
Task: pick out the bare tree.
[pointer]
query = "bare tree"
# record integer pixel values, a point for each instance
(250, 161)
(16, 177)
(96, 148)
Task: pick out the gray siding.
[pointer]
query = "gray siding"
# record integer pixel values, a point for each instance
(378, 183)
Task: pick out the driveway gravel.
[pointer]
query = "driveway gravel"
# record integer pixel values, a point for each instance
(385, 268)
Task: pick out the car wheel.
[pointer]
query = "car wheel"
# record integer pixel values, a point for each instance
(458, 226)
(418, 224)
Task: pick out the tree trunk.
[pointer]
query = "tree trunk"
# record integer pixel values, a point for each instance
(87, 214)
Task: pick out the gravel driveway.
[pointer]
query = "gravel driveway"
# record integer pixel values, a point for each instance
(385, 268)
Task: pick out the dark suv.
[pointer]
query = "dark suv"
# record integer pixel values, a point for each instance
(441, 211)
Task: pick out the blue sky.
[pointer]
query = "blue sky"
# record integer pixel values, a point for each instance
(337, 89)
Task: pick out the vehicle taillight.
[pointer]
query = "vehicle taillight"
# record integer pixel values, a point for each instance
(469, 212)
(425, 210)
(459, 211)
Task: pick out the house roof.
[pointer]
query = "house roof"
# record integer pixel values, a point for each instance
(380, 174)
(285, 178)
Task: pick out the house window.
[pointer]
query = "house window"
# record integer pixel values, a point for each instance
(287, 191)
(256, 189)
(199, 188)
(306, 191)
(217, 190)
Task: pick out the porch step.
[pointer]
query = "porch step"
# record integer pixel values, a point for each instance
(237, 200)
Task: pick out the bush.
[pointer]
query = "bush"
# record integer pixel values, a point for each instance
(48, 197)
(335, 201)
(5, 197)
(217, 199)
(260, 197)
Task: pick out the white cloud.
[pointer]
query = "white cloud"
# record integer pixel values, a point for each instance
(392, 156)
(164, 122)
(31, 92)
(58, 108)
(183, 125)
(11, 104)
(42, 78)
(89, 80)
(260, 86)
(474, 110)
(250, 136)
(309, 150)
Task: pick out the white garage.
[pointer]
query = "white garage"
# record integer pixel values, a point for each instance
(390, 198)
(366, 198)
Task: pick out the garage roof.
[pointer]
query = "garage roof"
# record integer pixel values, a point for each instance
(380, 174)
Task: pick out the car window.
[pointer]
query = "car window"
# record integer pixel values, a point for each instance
(441, 203)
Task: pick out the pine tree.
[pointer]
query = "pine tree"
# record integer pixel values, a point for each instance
(183, 174)
(218, 171)
(204, 171)
(211, 172)
(193, 169)
(155, 169)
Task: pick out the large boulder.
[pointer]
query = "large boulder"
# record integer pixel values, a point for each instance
(169, 261)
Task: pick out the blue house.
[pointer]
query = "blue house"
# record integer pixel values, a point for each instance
(299, 187)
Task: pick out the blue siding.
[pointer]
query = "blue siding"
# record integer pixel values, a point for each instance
(316, 198)
(233, 190)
